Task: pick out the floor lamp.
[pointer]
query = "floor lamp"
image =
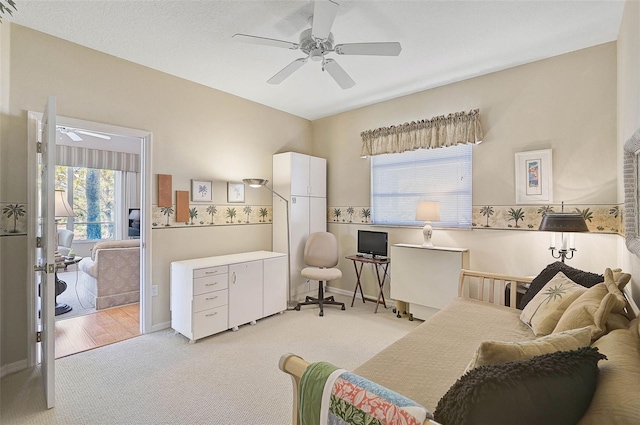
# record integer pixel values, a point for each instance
(263, 183)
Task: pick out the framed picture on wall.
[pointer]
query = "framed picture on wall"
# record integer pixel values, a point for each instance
(235, 192)
(201, 191)
(534, 182)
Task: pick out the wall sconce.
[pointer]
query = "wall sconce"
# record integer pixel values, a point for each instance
(563, 223)
(428, 211)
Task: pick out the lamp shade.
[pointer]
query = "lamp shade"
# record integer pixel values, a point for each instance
(62, 208)
(256, 182)
(563, 222)
(428, 211)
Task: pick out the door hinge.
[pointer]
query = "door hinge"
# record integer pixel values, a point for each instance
(39, 147)
(38, 242)
(38, 336)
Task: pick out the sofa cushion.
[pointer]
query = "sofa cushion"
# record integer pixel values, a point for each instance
(492, 352)
(553, 388)
(593, 307)
(586, 279)
(545, 309)
(616, 398)
(437, 352)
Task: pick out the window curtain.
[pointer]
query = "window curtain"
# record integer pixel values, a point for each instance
(73, 156)
(437, 132)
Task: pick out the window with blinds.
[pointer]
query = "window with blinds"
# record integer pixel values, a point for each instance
(400, 180)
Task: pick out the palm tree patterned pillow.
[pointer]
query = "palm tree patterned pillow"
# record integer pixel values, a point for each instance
(543, 312)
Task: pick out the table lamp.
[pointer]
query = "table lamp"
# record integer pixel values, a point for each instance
(563, 223)
(428, 211)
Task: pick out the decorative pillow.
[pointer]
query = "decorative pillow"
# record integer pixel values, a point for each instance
(580, 277)
(553, 388)
(621, 278)
(492, 352)
(546, 308)
(592, 308)
(616, 398)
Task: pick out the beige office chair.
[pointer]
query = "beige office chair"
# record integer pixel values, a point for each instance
(321, 254)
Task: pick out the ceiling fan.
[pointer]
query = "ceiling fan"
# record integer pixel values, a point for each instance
(72, 133)
(317, 41)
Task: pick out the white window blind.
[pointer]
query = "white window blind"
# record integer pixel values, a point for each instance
(400, 180)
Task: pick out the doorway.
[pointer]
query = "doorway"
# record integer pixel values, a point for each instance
(86, 325)
(99, 176)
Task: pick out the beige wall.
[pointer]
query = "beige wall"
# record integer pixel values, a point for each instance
(198, 133)
(567, 103)
(628, 112)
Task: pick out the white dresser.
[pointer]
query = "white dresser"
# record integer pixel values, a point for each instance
(426, 276)
(213, 294)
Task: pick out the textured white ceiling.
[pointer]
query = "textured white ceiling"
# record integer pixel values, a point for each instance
(442, 42)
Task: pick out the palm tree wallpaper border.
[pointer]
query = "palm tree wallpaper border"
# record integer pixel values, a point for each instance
(599, 218)
(204, 215)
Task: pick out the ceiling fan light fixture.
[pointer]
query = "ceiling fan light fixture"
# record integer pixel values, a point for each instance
(316, 55)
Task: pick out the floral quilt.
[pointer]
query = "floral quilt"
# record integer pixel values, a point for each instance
(333, 396)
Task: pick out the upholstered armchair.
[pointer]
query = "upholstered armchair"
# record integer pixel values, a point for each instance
(112, 274)
(65, 239)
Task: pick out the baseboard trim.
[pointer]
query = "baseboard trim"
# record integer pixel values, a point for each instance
(160, 326)
(10, 368)
(373, 299)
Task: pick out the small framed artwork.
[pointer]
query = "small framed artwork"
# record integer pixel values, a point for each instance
(534, 182)
(235, 192)
(201, 191)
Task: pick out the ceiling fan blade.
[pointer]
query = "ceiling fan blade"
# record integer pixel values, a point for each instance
(92, 134)
(324, 13)
(73, 136)
(375, 49)
(338, 74)
(252, 39)
(287, 71)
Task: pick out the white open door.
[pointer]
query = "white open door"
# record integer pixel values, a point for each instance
(45, 246)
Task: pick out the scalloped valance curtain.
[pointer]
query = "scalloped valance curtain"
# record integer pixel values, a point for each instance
(438, 132)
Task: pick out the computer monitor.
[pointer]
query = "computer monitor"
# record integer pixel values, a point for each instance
(373, 243)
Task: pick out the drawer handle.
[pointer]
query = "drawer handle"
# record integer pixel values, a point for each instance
(213, 272)
(211, 314)
(211, 298)
(210, 284)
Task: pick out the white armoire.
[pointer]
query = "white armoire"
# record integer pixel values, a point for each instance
(302, 180)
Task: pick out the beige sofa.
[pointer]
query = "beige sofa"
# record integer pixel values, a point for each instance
(433, 358)
(112, 274)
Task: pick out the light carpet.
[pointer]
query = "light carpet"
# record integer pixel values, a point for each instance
(229, 378)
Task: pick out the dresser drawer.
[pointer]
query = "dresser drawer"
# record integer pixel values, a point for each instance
(210, 283)
(210, 300)
(209, 322)
(209, 271)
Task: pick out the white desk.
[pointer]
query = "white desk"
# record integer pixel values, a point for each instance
(426, 276)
